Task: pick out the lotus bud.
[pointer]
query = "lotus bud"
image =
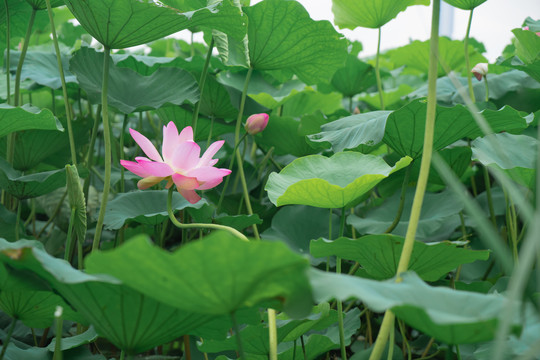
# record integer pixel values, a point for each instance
(256, 123)
(480, 70)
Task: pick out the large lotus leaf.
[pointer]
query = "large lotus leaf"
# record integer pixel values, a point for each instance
(516, 154)
(405, 127)
(29, 186)
(42, 67)
(379, 255)
(450, 316)
(282, 133)
(465, 4)
(438, 219)
(296, 225)
(119, 24)
(42, 4)
(147, 65)
(333, 182)
(216, 275)
(356, 77)
(13, 119)
(130, 320)
(34, 308)
(128, 91)
(312, 49)
(451, 55)
(144, 207)
(532, 69)
(352, 131)
(373, 14)
(309, 101)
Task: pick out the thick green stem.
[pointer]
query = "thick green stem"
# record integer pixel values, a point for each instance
(401, 201)
(64, 88)
(246, 192)
(487, 87)
(272, 334)
(18, 219)
(408, 245)
(489, 197)
(8, 52)
(202, 81)
(122, 155)
(107, 142)
(8, 338)
(378, 71)
(341, 326)
(467, 61)
(240, 347)
(197, 225)
(59, 330)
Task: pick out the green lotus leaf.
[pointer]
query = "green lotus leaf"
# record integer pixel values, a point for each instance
(29, 186)
(129, 91)
(42, 4)
(379, 255)
(436, 311)
(130, 320)
(77, 202)
(356, 77)
(313, 50)
(42, 67)
(13, 119)
(349, 14)
(351, 131)
(515, 154)
(144, 207)
(438, 219)
(216, 275)
(416, 55)
(282, 133)
(465, 4)
(333, 182)
(405, 127)
(119, 24)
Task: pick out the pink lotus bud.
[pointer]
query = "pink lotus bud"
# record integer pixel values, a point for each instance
(256, 123)
(480, 70)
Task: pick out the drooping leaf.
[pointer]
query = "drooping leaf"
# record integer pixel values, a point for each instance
(355, 77)
(404, 130)
(333, 182)
(119, 24)
(130, 320)
(313, 50)
(77, 201)
(216, 101)
(451, 56)
(439, 216)
(515, 154)
(435, 311)
(220, 273)
(379, 255)
(352, 131)
(129, 91)
(42, 67)
(71, 342)
(13, 119)
(282, 133)
(465, 4)
(297, 225)
(29, 186)
(144, 207)
(349, 14)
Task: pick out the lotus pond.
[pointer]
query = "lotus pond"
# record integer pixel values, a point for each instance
(266, 193)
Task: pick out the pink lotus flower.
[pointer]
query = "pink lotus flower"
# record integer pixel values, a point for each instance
(256, 123)
(180, 164)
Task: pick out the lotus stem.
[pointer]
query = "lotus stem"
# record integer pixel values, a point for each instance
(378, 72)
(388, 321)
(239, 345)
(489, 197)
(107, 143)
(401, 201)
(59, 329)
(339, 302)
(467, 60)
(178, 224)
(8, 338)
(272, 334)
(8, 52)
(202, 82)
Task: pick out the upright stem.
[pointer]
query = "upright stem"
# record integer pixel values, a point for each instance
(8, 337)
(401, 201)
(339, 302)
(107, 143)
(239, 345)
(122, 155)
(59, 329)
(378, 73)
(467, 61)
(8, 52)
(489, 197)
(272, 334)
(196, 225)
(388, 321)
(201, 87)
(64, 88)
(16, 101)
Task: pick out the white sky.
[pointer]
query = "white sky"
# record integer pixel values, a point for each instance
(492, 24)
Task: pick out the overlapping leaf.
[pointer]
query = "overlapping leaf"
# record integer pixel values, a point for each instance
(13, 119)
(29, 186)
(333, 182)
